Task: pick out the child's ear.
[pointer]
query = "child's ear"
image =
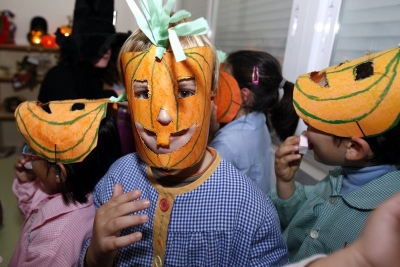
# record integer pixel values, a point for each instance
(357, 149)
(246, 94)
(63, 171)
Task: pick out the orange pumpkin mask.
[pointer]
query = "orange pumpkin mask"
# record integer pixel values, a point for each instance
(228, 98)
(61, 131)
(360, 98)
(188, 115)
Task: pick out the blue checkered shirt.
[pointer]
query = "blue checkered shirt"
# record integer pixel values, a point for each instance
(226, 221)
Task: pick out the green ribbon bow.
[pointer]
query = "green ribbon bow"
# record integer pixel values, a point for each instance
(221, 56)
(155, 20)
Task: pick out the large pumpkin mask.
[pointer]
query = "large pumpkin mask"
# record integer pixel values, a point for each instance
(188, 115)
(358, 98)
(61, 131)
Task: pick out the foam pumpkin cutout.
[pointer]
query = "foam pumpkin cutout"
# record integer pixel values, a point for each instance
(354, 99)
(61, 131)
(228, 98)
(189, 115)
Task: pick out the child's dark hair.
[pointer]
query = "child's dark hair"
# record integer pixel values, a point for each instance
(281, 114)
(83, 176)
(386, 146)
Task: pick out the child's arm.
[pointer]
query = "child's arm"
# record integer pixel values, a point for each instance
(109, 220)
(287, 162)
(24, 186)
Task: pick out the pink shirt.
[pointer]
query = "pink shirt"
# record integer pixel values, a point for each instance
(53, 233)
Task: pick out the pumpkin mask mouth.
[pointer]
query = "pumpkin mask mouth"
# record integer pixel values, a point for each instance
(164, 143)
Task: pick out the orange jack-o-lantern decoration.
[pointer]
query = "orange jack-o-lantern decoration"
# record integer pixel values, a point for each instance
(354, 99)
(36, 37)
(61, 131)
(66, 30)
(228, 98)
(48, 41)
(188, 114)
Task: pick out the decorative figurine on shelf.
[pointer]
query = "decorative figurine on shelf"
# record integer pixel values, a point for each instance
(26, 76)
(7, 27)
(38, 29)
(11, 103)
(65, 30)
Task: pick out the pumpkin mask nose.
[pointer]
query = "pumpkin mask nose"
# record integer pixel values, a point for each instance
(163, 117)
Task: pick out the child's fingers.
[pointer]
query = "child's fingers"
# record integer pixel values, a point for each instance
(289, 147)
(114, 226)
(123, 241)
(292, 140)
(118, 190)
(115, 219)
(119, 198)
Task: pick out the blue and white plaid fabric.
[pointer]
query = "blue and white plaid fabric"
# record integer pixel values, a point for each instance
(227, 221)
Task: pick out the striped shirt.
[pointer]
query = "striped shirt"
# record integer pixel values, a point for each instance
(224, 220)
(319, 220)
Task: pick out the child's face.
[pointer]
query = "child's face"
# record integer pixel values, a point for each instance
(170, 105)
(48, 181)
(186, 88)
(325, 149)
(103, 61)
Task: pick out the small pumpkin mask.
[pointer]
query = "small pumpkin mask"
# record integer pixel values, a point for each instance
(61, 131)
(228, 98)
(164, 97)
(360, 98)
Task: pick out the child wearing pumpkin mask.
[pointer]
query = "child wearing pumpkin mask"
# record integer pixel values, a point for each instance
(56, 175)
(244, 139)
(352, 112)
(176, 202)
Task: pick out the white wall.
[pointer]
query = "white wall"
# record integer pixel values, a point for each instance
(56, 13)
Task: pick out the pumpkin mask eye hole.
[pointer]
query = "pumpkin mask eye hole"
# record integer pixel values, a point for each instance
(78, 106)
(364, 70)
(186, 88)
(320, 78)
(46, 108)
(141, 89)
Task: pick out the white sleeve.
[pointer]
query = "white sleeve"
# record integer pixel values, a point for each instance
(306, 261)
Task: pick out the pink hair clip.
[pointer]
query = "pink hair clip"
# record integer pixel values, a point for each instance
(255, 76)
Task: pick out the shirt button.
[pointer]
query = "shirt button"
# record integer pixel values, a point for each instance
(314, 234)
(158, 261)
(332, 200)
(164, 205)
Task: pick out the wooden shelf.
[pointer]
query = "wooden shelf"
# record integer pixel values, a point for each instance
(28, 48)
(9, 79)
(7, 116)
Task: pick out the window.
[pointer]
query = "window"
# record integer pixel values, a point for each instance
(243, 24)
(366, 26)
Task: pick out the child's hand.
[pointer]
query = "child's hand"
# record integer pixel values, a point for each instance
(110, 219)
(22, 173)
(287, 162)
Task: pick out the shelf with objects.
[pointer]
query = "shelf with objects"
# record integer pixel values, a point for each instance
(22, 68)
